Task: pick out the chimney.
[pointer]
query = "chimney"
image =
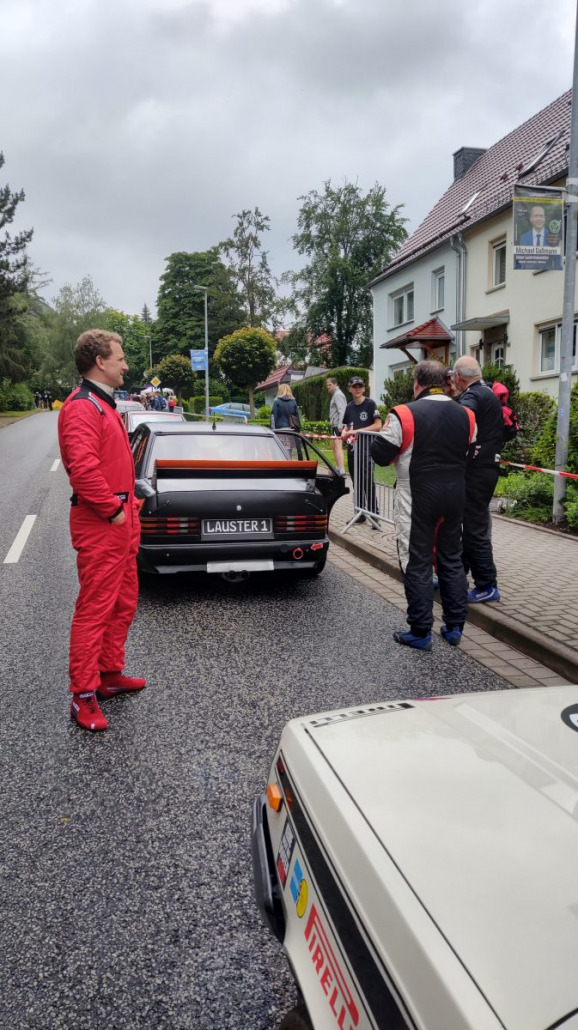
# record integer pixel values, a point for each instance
(464, 158)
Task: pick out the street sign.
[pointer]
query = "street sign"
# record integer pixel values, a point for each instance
(156, 381)
(198, 360)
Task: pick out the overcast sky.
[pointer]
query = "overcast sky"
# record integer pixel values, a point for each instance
(139, 127)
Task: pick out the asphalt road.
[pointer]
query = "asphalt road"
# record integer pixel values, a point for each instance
(126, 896)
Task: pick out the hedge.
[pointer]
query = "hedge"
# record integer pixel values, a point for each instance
(313, 397)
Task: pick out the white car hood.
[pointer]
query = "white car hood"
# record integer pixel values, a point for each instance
(475, 798)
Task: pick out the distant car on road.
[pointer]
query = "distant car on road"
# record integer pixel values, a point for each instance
(231, 499)
(122, 406)
(232, 409)
(132, 419)
(417, 860)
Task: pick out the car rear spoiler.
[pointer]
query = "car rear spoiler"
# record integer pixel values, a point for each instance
(185, 468)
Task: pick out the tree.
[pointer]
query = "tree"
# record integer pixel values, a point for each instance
(246, 357)
(15, 279)
(145, 315)
(175, 371)
(349, 237)
(135, 342)
(76, 308)
(250, 270)
(180, 323)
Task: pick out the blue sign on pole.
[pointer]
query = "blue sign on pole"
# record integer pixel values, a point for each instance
(198, 360)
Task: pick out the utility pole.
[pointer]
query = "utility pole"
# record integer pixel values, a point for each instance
(567, 339)
(205, 290)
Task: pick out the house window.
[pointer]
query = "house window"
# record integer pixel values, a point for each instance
(550, 341)
(402, 306)
(438, 289)
(499, 355)
(548, 349)
(499, 263)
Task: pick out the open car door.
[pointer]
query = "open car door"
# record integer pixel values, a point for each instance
(329, 483)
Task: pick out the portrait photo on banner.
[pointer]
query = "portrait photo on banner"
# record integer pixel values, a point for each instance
(538, 228)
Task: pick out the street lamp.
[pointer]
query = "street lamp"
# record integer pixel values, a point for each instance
(204, 289)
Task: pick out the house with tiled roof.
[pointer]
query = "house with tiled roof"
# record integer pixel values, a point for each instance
(457, 267)
(282, 374)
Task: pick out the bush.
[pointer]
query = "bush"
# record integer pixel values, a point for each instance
(398, 389)
(533, 410)
(571, 506)
(312, 395)
(196, 405)
(264, 412)
(531, 495)
(15, 396)
(544, 453)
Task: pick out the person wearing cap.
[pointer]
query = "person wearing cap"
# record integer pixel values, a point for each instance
(361, 415)
(481, 477)
(429, 440)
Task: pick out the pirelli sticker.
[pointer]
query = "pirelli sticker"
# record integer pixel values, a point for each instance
(329, 973)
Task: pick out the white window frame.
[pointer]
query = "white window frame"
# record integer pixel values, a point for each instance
(438, 289)
(557, 328)
(498, 248)
(403, 296)
(498, 355)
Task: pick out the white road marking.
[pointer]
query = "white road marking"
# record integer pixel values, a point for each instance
(20, 541)
(55, 464)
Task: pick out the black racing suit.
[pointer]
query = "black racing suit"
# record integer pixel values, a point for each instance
(429, 440)
(481, 477)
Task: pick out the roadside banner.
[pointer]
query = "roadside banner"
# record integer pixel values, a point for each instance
(198, 360)
(538, 228)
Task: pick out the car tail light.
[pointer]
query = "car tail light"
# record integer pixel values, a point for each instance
(152, 525)
(274, 797)
(300, 523)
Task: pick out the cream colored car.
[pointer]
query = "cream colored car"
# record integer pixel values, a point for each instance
(418, 860)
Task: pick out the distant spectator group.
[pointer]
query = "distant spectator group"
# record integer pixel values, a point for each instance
(43, 399)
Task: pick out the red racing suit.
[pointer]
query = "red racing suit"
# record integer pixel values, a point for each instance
(97, 457)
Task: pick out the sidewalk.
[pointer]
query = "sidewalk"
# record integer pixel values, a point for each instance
(537, 576)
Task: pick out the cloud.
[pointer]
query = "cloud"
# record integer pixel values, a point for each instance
(139, 127)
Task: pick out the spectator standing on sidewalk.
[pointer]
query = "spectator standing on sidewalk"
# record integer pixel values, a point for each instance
(429, 440)
(360, 415)
(481, 478)
(337, 406)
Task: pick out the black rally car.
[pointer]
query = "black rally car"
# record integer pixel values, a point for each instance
(231, 499)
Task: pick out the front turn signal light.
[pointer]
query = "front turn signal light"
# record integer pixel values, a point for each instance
(274, 797)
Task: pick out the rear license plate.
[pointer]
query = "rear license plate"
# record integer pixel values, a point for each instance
(236, 529)
(266, 565)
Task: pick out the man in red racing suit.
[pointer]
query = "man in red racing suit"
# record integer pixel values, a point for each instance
(104, 527)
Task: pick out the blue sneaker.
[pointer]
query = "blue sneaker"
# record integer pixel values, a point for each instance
(451, 636)
(478, 596)
(410, 640)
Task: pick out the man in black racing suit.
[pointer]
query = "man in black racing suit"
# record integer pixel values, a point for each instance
(429, 440)
(482, 474)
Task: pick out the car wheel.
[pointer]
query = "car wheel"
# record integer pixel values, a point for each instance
(316, 570)
(296, 1019)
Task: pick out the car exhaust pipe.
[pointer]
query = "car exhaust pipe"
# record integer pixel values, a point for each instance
(298, 553)
(235, 577)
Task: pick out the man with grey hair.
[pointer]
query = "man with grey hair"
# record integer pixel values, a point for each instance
(337, 406)
(481, 478)
(429, 440)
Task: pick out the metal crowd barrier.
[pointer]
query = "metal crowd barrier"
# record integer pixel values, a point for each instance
(372, 497)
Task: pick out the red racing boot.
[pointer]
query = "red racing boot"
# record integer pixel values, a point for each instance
(85, 711)
(113, 683)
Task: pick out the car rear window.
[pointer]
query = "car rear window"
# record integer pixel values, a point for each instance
(222, 446)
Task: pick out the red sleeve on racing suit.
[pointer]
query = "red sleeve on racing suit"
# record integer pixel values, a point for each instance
(80, 433)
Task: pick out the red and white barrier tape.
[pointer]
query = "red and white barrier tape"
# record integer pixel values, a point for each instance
(536, 468)
(514, 464)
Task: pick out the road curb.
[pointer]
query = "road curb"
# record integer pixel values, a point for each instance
(555, 656)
